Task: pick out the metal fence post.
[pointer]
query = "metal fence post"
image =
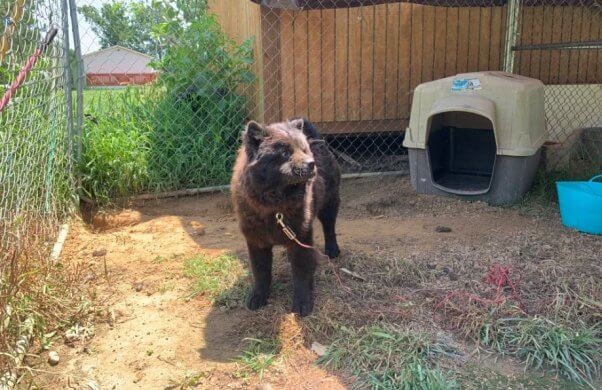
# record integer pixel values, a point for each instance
(511, 34)
(79, 83)
(67, 76)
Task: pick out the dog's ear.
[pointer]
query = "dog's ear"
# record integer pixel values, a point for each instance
(253, 136)
(298, 123)
(307, 127)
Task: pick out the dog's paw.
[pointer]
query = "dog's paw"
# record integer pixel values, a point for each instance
(303, 306)
(332, 251)
(256, 300)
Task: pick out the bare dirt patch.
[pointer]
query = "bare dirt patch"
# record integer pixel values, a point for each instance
(151, 334)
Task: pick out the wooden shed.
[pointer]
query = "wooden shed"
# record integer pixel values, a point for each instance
(117, 66)
(353, 69)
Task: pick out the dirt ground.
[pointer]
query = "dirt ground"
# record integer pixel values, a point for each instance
(148, 333)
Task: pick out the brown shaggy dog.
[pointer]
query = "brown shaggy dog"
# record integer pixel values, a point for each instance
(285, 168)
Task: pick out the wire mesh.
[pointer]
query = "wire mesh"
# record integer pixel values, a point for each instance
(35, 186)
(170, 85)
(189, 74)
(36, 189)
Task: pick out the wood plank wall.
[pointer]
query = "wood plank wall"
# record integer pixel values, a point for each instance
(241, 20)
(544, 25)
(354, 70)
(362, 64)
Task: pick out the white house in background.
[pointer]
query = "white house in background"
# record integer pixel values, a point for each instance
(116, 66)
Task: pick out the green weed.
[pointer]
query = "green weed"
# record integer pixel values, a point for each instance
(216, 277)
(190, 380)
(259, 356)
(575, 353)
(165, 287)
(543, 195)
(385, 356)
(234, 296)
(183, 130)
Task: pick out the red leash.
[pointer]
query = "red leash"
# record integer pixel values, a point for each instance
(31, 62)
(288, 232)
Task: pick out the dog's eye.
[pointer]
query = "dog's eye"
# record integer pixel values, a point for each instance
(282, 148)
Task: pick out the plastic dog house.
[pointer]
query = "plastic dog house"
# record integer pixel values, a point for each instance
(477, 136)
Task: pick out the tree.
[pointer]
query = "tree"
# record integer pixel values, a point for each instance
(131, 24)
(113, 25)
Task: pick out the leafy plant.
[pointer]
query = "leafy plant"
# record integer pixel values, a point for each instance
(259, 356)
(216, 277)
(115, 155)
(573, 352)
(180, 132)
(384, 357)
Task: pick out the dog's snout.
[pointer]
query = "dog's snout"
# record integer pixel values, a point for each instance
(310, 165)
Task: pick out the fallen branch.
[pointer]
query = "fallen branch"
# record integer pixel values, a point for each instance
(353, 274)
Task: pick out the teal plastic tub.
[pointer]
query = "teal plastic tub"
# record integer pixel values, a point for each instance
(581, 204)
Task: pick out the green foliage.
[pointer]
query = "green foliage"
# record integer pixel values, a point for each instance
(205, 63)
(575, 353)
(112, 24)
(130, 24)
(214, 276)
(5, 78)
(258, 357)
(114, 155)
(180, 132)
(384, 356)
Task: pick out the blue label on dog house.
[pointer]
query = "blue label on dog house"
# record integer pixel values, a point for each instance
(466, 84)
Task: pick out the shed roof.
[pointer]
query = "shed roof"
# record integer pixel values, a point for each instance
(116, 47)
(117, 60)
(322, 4)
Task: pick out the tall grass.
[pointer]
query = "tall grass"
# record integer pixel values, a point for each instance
(144, 140)
(258, 357)
(36, 195)
(385, 356)
(220, 278)
(115, 148)
(180, 132)
(574, 352)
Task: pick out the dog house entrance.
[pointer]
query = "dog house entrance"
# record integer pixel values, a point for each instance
(461, 151)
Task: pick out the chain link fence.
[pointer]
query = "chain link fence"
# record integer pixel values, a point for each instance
(164, 105)
(560, 43)
(36, 187)
(170, 84)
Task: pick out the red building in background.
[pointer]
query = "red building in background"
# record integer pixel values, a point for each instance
(118, 66)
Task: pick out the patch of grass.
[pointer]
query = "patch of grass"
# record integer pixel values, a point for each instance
(575, 353)
(543, 196)
(115, 147)
(384, 356)
(217, 277)
(234, 296)
(181, 131)
(162, 259)
(167, 286)
(258, 357)
(190, 380)
(484, 377)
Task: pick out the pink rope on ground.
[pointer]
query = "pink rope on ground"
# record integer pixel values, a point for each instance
(499, 276)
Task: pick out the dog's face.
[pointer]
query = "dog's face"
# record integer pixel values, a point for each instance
(279, 154)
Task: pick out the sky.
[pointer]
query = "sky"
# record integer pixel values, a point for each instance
(89, 40)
